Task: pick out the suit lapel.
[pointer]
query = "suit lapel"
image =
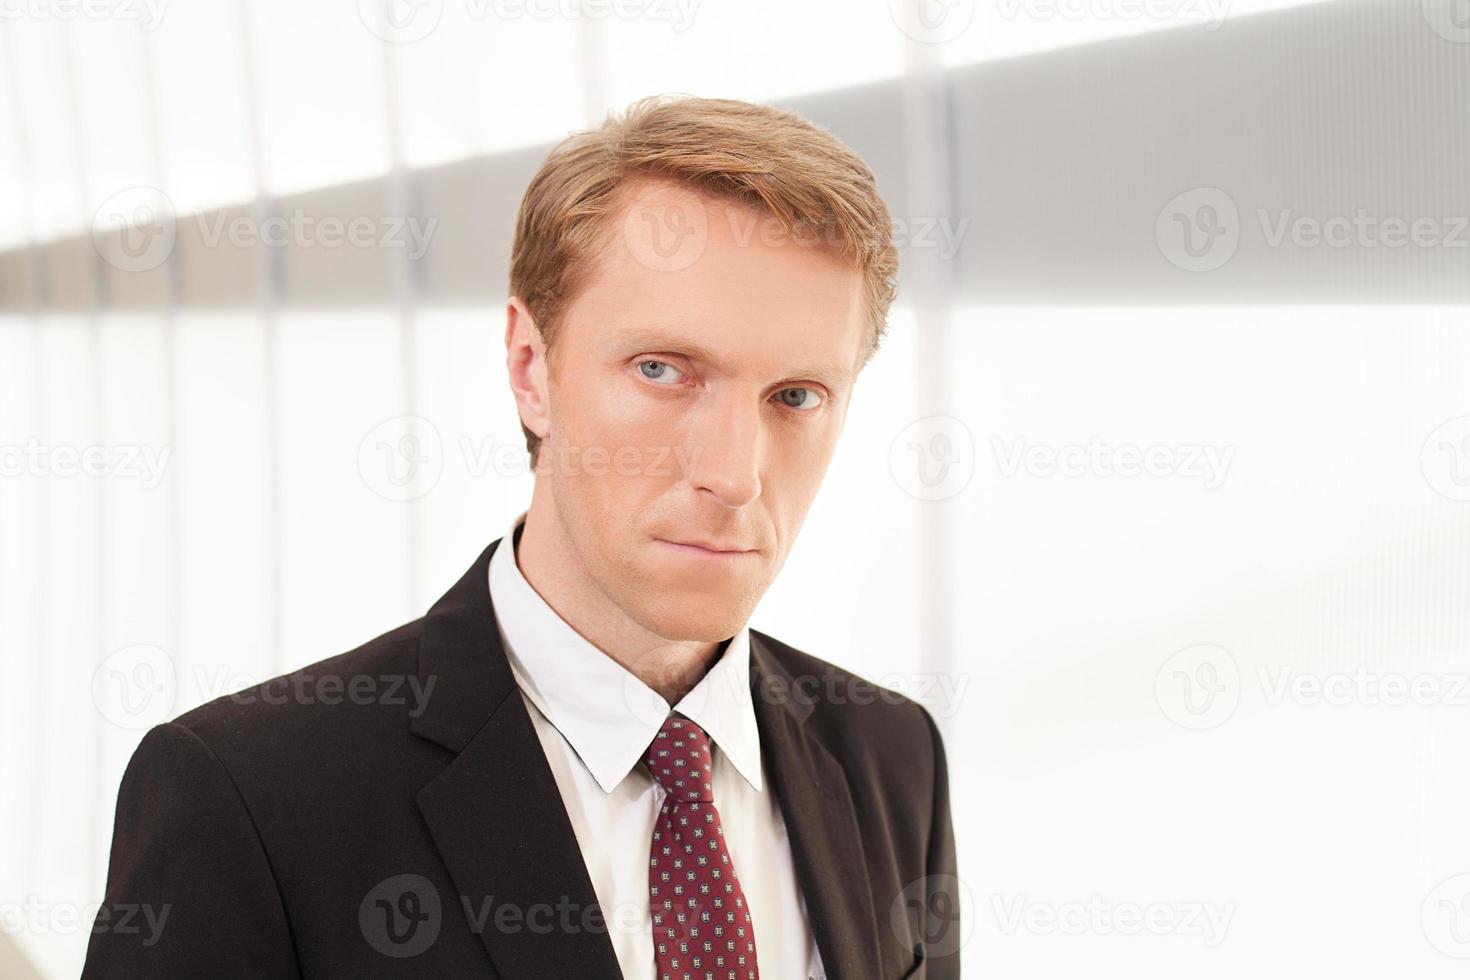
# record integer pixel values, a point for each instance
(495, 812)
(821, 822)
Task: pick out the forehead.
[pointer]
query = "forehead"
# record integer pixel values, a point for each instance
(723, 275)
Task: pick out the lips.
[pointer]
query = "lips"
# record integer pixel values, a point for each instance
(716, 547)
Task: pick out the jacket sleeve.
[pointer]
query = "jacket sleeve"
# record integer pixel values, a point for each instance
(943, 931)
(190, 890)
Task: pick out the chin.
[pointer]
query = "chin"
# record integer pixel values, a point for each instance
(691, 615)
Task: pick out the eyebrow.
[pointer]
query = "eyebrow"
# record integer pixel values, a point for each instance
(655, 340)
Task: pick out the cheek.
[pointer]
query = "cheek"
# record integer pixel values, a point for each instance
(795, 476)
(615, 449)
(609, 411)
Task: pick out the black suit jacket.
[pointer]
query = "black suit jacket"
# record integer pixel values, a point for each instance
(390, 813)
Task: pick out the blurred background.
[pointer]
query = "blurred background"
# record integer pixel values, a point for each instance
(1158, 494)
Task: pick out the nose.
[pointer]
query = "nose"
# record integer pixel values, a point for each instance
(727, 442)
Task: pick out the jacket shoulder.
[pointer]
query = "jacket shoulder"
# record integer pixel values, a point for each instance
(372, 686)
(860, 716)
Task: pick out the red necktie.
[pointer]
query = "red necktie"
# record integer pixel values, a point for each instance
(702, 928)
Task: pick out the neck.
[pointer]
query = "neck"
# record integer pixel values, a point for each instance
(552, 566)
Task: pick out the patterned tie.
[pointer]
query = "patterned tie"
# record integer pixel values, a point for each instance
(701, 924)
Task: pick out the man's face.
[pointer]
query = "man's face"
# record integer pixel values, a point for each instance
(697, 388)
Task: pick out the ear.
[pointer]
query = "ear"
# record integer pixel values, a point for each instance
(526, 362)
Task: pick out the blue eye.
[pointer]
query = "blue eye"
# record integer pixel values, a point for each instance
(800, 404)
(660, 373)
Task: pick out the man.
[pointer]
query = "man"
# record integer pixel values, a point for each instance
(582, 763)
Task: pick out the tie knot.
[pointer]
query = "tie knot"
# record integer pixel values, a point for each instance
(679, 758)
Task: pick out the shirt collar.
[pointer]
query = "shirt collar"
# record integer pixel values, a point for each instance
(602, 709)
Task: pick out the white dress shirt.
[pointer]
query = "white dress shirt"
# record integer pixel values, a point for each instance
(595, 720)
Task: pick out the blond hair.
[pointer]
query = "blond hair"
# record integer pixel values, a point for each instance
(766, 158)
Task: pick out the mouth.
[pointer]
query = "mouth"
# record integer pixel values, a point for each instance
(708, 550)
